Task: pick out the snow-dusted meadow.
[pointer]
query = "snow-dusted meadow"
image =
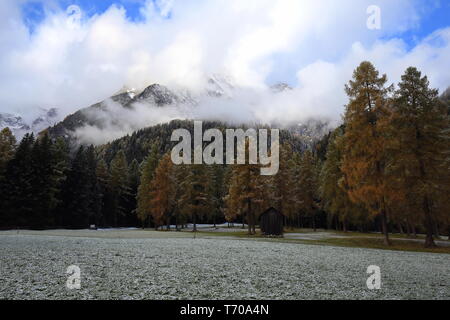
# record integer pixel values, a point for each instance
(177, 266)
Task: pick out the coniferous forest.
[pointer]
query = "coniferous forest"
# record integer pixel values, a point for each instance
(385, 169)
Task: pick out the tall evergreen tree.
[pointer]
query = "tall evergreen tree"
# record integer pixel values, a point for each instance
(102, 174)
(309, 186)
(7, 149)
(93, 184)
(44, 184)
(18, 191)
(76, 193)
(217, 192)
(61, 168)
(420, 147)
(118, 186)
(148, 169)
(134, 173)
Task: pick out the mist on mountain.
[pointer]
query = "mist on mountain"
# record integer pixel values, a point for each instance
(126, 112)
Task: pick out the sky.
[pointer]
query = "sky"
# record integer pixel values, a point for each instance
(72, 53)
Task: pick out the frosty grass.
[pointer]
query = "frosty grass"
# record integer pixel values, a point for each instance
(34, 267)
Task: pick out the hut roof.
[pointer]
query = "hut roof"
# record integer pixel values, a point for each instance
(271, 209)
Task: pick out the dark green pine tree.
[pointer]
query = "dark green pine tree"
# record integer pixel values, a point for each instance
(7, 150)
(95, 199)
(118, 186)
(18, 204)
(217, 192)
(134, 174)
(61, 168)
(76, 193)
(44, 184)
(103, 192)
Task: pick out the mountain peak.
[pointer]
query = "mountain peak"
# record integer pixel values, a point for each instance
(158, 94)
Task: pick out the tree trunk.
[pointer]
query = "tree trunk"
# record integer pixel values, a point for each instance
(429, 241)
(249, 216)
(436, 229)
(384, 228)
(400, 228)
(195, 222)
(254, 223)
(408, 228)
(344, 225)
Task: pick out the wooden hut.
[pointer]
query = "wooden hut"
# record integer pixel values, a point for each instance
(271, 222)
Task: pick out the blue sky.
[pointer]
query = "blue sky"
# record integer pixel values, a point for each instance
(34, 10)
(433, 17)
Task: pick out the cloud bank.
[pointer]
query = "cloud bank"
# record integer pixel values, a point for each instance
(72, 60)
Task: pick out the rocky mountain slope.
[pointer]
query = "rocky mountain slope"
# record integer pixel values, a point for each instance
(114, 114)
(19, 126)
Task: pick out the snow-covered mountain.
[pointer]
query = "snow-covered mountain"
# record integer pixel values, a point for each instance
(19, 126)
(130, 110)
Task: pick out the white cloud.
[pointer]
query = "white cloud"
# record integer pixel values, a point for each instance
(72, 61)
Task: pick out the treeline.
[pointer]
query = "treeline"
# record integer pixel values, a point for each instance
(391, 157)
(387, 168)
(177, 194)
(43, 185)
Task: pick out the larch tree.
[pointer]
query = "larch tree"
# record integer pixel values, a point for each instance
(148, 168)
(231, 200)
(246, 192)
(162, 192)
(364, 154)
(180, 172)
(283, 190)
(195, 200)
(335, 199)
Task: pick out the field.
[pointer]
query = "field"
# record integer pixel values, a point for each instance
(136, 264)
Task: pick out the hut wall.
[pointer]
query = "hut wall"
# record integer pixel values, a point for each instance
(272, 223)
